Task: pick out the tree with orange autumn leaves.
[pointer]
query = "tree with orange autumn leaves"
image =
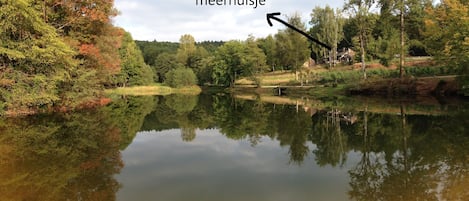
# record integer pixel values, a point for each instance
(86, 27)
(57, 52)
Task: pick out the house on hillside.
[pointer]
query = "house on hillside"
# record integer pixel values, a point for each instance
(344, 56)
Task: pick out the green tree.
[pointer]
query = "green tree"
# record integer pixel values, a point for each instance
(152, 49)
(134, 71)
(220, 75)
(228, 63)
(284, 47)
(415, 26)
(199, 65)
(236, 59)
(360, 9)
(186, 50)
(268, 45)
(180, 77)
(292, 47)
(409, 11)
(163, 64)
(254, 58)
(386, 42)
(403, 52)
(204, 74)
(447, 38)
(34, 61)
(327, 26)
(401, 25)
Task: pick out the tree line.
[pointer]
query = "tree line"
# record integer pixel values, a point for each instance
(221, 63)
(58, 53)
(386, 31)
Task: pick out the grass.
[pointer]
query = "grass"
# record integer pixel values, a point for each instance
(345, 74)
(272, 78)
(325, 82)
(154, 90)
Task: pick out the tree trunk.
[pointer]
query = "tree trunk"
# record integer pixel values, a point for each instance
(362, 52)
(233, 82)
(44, 11)
(402, 56)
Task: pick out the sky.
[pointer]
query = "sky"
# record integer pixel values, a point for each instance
(168, 20)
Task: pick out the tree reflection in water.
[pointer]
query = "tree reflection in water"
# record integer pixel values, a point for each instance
(70, 156)
(403, 156)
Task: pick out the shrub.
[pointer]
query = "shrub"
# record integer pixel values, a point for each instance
(180, 77)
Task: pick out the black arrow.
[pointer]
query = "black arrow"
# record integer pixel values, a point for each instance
(273, 16)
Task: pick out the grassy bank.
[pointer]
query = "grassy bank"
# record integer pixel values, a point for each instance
(154, 90)
(422, 77)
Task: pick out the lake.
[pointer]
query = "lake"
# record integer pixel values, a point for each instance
(244, 147)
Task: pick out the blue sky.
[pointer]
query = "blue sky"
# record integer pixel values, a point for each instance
(167, 20)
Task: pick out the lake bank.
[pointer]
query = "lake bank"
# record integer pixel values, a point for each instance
(422, 105)
(440, 86)
(434, 90)
(154, 90)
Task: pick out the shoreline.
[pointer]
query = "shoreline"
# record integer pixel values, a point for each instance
(153, 90)
(105, 99)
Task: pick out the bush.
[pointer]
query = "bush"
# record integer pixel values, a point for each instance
(339, 76)
(180, 77)
(430, 71)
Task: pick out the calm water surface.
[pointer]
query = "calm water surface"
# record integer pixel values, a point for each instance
(216, 147)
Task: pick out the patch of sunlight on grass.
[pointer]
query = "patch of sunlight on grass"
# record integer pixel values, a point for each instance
(154, 90)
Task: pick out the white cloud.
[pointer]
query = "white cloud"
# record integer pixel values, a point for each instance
(167, 20)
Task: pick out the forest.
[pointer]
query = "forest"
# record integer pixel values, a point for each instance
(63, 54)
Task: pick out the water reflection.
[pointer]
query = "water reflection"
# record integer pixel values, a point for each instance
(67, 157)
(71, 156)
(213, 145)
(409, 153)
